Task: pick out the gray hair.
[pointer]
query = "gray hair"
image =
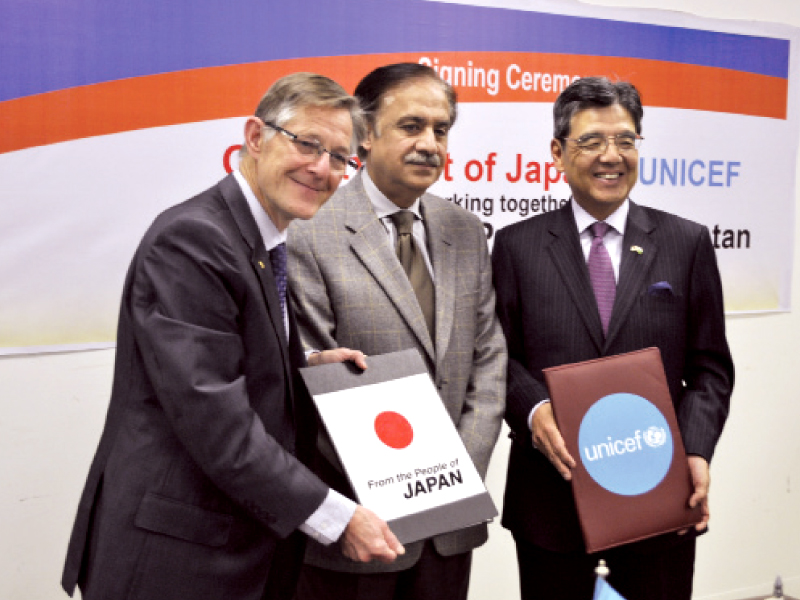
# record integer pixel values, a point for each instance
(301, 90)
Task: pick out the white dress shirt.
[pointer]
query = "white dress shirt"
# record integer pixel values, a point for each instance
(385, 208)
(613, 238)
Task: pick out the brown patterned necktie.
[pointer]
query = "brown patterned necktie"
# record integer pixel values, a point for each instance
(414, 265)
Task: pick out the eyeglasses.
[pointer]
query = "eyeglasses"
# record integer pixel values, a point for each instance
(595, 144)
(310, 147)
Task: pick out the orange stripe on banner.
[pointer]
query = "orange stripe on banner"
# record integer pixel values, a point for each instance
(662, 84)
(223, 92)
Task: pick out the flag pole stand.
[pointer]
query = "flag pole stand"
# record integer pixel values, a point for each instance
(602, 569)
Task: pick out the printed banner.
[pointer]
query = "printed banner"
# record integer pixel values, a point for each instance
(111, 113)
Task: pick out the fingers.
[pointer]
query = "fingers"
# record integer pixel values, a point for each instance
(700, 497)
(359, 358)
(338, 355)
(706, 516)
(392, 541)
(547, 438)
(367, 537)
(701, 481)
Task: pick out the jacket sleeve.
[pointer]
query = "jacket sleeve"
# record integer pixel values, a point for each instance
(484, 404)
(316, 321)
(523, 390)
(197, 306)
(708, 372)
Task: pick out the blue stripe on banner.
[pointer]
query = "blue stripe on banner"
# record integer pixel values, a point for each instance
(48, 45)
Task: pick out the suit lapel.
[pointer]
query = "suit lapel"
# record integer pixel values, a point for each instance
(567, 256)
(369, 243)
(634, 267)
(443, 259)
(259, 260)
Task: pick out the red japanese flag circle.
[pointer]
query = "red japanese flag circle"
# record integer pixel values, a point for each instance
(394, 430)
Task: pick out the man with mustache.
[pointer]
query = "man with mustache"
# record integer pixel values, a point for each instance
(352, 289)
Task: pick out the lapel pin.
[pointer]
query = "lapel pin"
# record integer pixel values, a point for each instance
(261, 264)
(637, 249)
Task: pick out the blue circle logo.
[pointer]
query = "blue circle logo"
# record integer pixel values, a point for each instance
(625, 444)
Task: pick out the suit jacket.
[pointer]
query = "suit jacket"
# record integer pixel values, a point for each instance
(549, 314)
(195, 480)
(350, 290)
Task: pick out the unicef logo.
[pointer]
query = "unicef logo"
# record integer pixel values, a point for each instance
(655, 437)
(625, 444)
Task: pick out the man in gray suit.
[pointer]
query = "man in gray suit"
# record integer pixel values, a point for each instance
(568, 293)
(350, 289)
(197, 490)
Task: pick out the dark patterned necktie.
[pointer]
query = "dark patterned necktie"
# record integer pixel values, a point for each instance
(414, 265)
(601, 273)
(277, 257)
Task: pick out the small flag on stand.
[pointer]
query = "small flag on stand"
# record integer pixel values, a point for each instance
(602, 590)
(777, 589)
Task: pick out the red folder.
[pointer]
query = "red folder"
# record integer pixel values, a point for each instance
(618, 422)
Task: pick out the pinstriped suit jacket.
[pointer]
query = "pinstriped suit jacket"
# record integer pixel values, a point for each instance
(548, 311)
(350, 290)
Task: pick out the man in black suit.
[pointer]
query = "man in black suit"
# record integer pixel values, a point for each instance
(664, 291)
(197, 489)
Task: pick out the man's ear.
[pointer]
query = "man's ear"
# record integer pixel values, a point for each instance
(366, 143)
(557, 152)
(252, 136)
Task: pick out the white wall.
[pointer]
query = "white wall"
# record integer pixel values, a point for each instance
(52, 409)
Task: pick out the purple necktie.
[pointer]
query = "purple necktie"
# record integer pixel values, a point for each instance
(277, 257)
(601, 273)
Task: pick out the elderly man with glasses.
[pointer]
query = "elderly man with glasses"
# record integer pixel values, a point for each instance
(604, 276)
(197, 489)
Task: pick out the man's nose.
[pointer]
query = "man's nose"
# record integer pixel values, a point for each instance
(611, 152)
(321, 165)
(426, 141)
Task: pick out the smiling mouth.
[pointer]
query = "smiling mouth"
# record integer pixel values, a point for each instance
(307, 186)
(608, 176)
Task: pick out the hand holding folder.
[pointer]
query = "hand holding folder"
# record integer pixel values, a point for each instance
(632, 478)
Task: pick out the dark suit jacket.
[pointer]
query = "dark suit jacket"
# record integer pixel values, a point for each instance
(195, 479)
(548, 312)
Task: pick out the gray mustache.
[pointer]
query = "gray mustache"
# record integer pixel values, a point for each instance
(429, 160)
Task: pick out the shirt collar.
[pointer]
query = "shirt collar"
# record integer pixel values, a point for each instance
(617, 219)
(269, 233)
(382, 205)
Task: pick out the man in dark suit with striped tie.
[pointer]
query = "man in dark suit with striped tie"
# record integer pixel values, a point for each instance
(599, 277)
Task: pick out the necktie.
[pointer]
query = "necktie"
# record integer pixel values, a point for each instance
(414, 265)
(601, 273)
(277, 258)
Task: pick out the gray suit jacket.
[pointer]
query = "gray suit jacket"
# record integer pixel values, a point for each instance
(548, 311)
(349, 290)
